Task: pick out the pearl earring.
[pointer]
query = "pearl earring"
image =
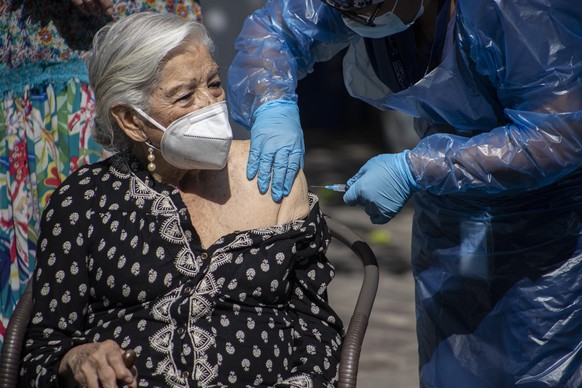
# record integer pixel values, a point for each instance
(151, 158)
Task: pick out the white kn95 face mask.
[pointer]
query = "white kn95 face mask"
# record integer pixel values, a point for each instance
(200, 140)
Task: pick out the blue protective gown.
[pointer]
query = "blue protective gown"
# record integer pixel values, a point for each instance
(497, 244)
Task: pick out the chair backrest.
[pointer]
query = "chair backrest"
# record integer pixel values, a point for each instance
(14, 340)
(354, 337)
(351, 348)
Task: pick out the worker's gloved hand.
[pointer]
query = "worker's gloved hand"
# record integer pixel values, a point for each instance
(382, 186)
(277, 147)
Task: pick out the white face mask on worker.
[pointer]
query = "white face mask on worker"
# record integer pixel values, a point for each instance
(384, 25)
(199, 140)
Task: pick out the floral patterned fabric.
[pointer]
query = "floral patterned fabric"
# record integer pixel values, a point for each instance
(120, 259)
(45, 117)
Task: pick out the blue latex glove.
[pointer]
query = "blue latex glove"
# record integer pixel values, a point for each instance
(382, 186)
(277, 147)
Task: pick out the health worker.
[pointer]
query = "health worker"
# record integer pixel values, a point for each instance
(495, 88)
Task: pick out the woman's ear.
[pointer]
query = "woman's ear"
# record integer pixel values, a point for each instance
(129, 122)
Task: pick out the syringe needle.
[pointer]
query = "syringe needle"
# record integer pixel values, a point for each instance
(339, 187)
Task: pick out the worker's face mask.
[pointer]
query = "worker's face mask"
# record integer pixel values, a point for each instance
(197, 141)
(384, 25)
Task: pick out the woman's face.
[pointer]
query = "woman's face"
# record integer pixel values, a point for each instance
(189, 81)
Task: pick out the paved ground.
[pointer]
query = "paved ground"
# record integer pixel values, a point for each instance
(389, 353)
(389, 357)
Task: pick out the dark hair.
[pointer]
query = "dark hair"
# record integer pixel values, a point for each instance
(349, 4)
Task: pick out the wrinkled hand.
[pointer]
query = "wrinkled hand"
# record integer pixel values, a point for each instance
(277, 147)
(94, 7)
(96, 365)
(382, 186)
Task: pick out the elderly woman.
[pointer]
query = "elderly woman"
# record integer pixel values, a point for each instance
(46, 108)
(167, 248)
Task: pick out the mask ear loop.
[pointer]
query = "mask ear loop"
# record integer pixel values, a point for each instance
(148, 118)
(395, 4)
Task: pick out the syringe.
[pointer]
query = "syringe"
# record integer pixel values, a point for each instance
(339, 187)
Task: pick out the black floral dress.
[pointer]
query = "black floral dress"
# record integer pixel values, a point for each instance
(119, 259)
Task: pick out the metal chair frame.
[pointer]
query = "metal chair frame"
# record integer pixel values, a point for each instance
(353, 339)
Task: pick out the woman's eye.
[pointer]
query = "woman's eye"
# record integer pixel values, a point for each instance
(216, 84)
(185, 97)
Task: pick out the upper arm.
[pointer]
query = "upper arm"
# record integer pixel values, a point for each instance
(247, 198)
(296, 205)
(60, 285)
(278, 45)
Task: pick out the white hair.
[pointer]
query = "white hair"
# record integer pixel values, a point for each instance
(125, 64)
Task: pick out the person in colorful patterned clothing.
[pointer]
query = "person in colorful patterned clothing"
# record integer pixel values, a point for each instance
(167, 248)
(46, 110)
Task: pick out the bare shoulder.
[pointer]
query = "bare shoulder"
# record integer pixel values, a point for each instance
(292, 207)
(296, 205)
(225, 201)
